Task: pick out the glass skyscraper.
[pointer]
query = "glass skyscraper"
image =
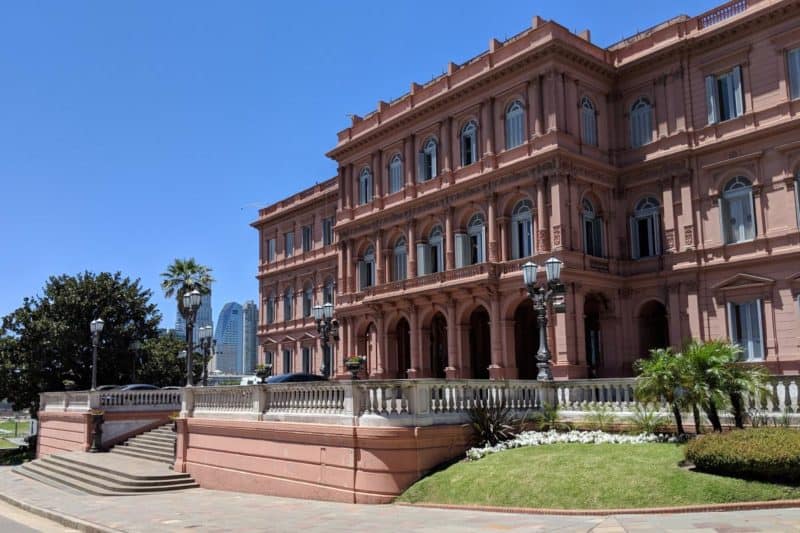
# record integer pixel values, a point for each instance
(229, 336)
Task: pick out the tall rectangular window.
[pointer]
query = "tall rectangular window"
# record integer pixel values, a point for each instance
(306, 360)
(288, 244)
(793, 58)
(307, 238)
(724, 95)
(327, 231)
(270, 250)
(593, 236)
(395, 174)
(745, 328)
(287, 361)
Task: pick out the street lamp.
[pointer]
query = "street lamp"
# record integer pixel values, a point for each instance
(191, 303)
(551, 292)
(136, 347)
(327, 326)
(207, 344)
(95, 327)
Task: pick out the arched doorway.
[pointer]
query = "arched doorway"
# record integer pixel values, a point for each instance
(526, 340)
(593, 306)
(480, 345)
(403, 337)
(653, 327)
(438, 346)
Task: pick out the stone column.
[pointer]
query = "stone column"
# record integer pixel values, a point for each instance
(341, 273)
(542, 225)
(444, 135)
(549, 92)
(496, 369)
(449, 244)
(502, 225)
(492, 229)
(412, 252)
(381, 364)
(487, 130)
(348, 279)
(377, 174)
(534, 107)
(452, 369)
(416, 362)
(379, 258)
(410, 167)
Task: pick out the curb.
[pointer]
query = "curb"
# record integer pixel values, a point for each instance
(710, 508)
(63, 519)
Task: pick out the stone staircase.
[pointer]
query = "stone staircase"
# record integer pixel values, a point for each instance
(154, 445)
(141, 464)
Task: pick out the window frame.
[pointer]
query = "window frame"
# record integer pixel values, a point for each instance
(736, 191)
(641, 123)
(366, 191)
(428, 164)
(366, 268)
(271, 308)
(288, 244)
(287, 360)
(732, 95)
(400, 260)
(588, 122)
(476, 239)
(469, 143)
(307, 238)
(648, 209)
(272, 247)
(288, 304)
(520, 215)
(754, 314)
(395, 174)
(307, 356)
(308, 300)
(591, 219)
(515, 124)
(793, 72)
(327, 231)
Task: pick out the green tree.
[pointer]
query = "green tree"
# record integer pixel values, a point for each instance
(47, 340)
(161, 365)
(707, 375)
(662, 376)
(183, 276)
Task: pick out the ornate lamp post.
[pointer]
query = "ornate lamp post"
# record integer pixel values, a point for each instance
(95, 327)
(207, 344)
(552, 291)
(191, 303)
(327, 326)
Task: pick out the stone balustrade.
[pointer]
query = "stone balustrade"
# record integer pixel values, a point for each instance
(420, 402)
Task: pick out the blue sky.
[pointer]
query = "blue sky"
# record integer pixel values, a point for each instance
(134, 132)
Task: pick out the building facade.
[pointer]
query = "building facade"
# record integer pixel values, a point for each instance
(662, 170)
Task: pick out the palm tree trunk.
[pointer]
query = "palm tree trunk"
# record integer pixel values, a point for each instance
(713, 416)
(696, 415)
(738, 409)
(678, 419)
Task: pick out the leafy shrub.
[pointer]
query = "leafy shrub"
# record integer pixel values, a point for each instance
(549, 419)
(493, 424)
(601, 417)
(647, 419)
(769, 454)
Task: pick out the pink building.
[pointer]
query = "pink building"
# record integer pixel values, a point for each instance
(662, 170)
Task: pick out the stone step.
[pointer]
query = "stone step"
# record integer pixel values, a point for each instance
(161, 451)
(94, 485)
(30, 474)
(116, 476)
(155, 438)
(124, 450)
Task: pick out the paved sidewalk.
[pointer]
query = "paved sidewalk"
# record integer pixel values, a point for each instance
(216, 511)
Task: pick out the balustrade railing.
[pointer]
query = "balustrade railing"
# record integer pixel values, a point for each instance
(397, 402)
(721, 13)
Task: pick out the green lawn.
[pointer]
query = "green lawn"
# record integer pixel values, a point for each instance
(5, 444)
(23, 427)
(586, 476)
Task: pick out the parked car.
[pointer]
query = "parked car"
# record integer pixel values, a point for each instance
(107, 387)
(295, 377)
(171, 387)
(249, 380)
(138, 386)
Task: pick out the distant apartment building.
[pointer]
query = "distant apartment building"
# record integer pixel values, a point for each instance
(236, 347)
(662, 170)
(249, 357)
(205, 317)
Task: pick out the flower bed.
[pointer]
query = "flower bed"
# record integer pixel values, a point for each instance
(539, 438)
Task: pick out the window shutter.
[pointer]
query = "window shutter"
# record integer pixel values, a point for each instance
(421, 166)
(516, 253)
(461, 247)
(750, 216)
(657, 234)
(738, 90)
(422, 258)
(434, 166)
(757, 330)
(598, 235)
(635, 252)
(712, 101)
(361, 274)
(732, 323)
(794, 73)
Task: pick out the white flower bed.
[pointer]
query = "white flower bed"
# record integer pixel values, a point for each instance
(539, 438)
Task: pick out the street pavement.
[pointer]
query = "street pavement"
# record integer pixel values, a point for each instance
(218, 511)
(15, 520)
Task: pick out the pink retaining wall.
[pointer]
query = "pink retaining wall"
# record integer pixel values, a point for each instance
(63, 432)
(324, 462)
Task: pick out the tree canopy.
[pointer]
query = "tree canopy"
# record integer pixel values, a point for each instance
(47, 340)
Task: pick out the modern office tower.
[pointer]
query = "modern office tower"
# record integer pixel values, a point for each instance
(229, 337)
(249, 343)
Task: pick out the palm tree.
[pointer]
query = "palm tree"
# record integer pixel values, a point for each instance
(661, 376)
(707, 368)
(183, 276)
(740, 381)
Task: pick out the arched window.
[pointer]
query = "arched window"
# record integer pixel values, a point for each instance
(365, 187)
(738, 222)
(646, 229)
(366, 269)
(308, 300)
(400, 259)
(469, 143)
(395, 174)
(522, 230)
(328, 292)
(515, 125)
(430, 255)
(472, 244)
(592, 230)
(588, 122)
(427, 160)
(271, 303)
(641, 123)
(287, 304)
